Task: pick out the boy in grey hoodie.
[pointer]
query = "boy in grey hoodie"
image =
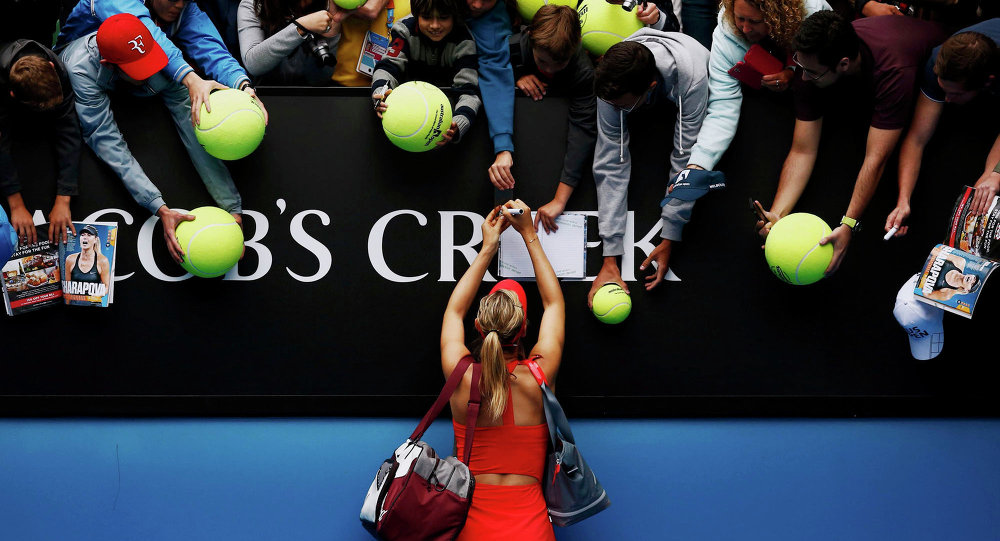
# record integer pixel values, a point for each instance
(648, 67)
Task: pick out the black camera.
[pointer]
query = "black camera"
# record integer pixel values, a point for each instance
(627, 5)
(320, 48)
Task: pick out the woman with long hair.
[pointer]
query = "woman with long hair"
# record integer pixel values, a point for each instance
(291, 42)
(742, 23)
(511, 437)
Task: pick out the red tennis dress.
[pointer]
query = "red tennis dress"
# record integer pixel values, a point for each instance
(501, 512)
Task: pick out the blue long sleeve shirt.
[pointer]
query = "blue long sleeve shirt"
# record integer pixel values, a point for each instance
(193, 33)
(496, 76)
(92, 83)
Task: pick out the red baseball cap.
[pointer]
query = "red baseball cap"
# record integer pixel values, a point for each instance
(514, 286)
(124, 41)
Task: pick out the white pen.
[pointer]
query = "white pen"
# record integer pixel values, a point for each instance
(890, 233)
(515, 212)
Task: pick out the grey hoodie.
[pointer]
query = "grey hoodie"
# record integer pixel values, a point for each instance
(683, 66)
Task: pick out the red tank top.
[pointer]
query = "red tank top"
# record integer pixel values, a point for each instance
(507, 448)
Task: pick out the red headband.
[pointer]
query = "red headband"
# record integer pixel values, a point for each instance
(516, 288)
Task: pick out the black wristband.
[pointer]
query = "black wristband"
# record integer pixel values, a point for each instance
(302, 28)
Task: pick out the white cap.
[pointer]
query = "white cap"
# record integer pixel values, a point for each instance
(922, 322)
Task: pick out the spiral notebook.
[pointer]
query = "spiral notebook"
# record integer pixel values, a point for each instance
(566, 249)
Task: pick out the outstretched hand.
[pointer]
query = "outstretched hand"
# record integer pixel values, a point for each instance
(494, 224)
(547, 214)
(762, 227)
(253, 94)
(381, 107)
(609, 273)
(199, 90)
(660, 257)
(841, 239)
(897, 219)
(60, 221)
(499, 172)
(986, 189)
(522, 223)
(532, 86)
(648, 13)
(24, 226)
(448, 135)
(170, 219)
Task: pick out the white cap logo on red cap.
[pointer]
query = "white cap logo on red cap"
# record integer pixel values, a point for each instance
(137, 44)
(125, 42)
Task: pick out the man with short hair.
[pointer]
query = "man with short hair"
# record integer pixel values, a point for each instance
(965, 67)
(122, 55)
(874, 63)
(184, 32)
(35, 88)
(648, 68)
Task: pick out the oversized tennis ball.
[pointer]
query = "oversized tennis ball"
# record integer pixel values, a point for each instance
(212, 242)
(604, 24)
(417, 116)
(235, 126)
(528, 8)
(611, 304)
(350, 4)
(792, 249)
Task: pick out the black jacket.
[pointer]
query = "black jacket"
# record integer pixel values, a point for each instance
(64, 122)
(575, 82)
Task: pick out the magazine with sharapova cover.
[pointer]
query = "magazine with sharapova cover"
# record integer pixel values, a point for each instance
(87, 260)
(955, 271)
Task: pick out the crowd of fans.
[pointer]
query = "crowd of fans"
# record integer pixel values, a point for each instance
(895, 58)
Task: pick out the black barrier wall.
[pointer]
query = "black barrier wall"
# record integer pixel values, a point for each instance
(353, 247)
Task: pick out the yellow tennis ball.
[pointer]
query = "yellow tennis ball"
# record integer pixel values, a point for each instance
(349, 4)
(235, 126)
(792, 249)
(603, 24)
(528, 8)
(212, 242)
(417, 116)
(611, 304)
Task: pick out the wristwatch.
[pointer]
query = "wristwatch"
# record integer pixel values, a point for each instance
(851, 223)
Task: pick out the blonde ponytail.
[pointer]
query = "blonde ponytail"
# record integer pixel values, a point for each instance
(500, 318)
(493, 381)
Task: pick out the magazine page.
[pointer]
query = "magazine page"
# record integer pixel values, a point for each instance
(952, 279)
(31, 276)
(88, 264)
(566, 249)
(975, 233)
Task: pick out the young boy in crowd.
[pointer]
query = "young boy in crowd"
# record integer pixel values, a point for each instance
(432, 45)
(35, 88)
(547, 57)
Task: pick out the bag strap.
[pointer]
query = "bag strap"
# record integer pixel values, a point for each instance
(472, 412)
(449, 389)
(555, 417)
